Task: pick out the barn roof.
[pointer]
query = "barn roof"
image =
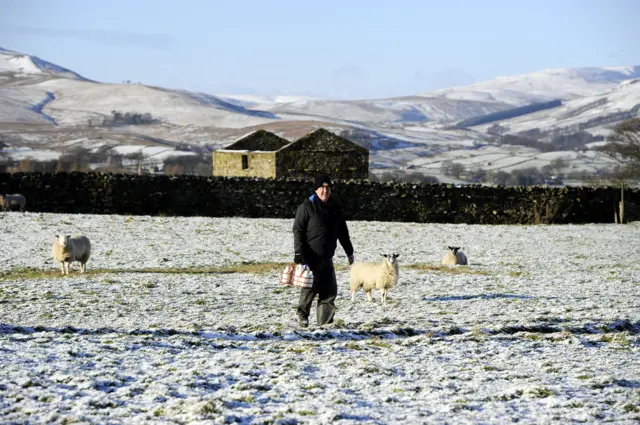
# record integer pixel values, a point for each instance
(260, 140)
(322, 140)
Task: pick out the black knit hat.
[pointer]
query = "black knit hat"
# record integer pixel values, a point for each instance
(321, 180)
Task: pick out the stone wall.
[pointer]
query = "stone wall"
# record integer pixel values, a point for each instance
(322, 151)
(259, 164)
(362, 200)
(341, 165)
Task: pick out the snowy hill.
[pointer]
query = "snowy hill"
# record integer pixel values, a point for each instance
(44, 106)
(24, 65)
(589, 113)
(565, 84)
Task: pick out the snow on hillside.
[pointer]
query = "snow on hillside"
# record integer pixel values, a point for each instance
(78, 101)
(585, 113)
(21, 64)
(257, 102)
(151, 153)
(26, 104)
(508, 158)
(14, 110)
(20, 153)
(406, 109)
(176, 323)
(403, 130)
(564, 83)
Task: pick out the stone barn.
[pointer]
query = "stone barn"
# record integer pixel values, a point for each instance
(263, 154)
(253, 155)
(324, 152)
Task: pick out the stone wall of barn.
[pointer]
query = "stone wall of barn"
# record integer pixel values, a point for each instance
(244, 164)
(341, 165)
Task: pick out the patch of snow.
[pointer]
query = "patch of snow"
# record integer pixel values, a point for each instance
(20, 153)
(596, 144)
(563, 83)
(18, 63)
(25, 65)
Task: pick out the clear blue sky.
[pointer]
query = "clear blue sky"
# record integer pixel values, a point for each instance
(340, 49)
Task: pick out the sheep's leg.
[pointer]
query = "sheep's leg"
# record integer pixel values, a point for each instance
(83, 267)
(62, 267)
(353, 296)
(369, 296)
(383, 296)
(66, 267)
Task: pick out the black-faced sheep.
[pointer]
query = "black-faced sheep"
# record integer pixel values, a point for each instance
(369, 276)
(13, 202)
(454, 256)
(66, 250)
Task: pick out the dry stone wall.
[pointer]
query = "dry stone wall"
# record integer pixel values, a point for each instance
(97, 193)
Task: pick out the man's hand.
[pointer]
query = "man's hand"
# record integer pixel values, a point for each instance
(351, 259)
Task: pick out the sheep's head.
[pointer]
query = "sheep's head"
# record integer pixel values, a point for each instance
(391, 258)
(454, 249)
(63, 240)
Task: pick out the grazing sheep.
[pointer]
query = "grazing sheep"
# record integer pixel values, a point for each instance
(13, 202)
(369, 276)
(454, 256)
(66, 250)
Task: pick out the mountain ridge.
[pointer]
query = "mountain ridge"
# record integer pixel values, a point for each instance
(36, 95)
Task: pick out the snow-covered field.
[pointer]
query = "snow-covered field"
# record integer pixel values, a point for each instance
(183, 320)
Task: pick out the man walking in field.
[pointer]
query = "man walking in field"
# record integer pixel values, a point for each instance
(318, 225)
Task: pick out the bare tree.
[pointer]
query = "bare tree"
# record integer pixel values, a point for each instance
(497, 129)
(558, 165)
(450, 168)
(457, 169)
(501, 178)
(416, 177)
(446, 167)
(624, 147)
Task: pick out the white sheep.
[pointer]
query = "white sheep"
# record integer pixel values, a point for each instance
(454, 256)
(14, 201)
(66, 250)
(370, 276)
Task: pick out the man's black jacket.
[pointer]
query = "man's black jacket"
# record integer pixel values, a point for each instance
(316, 229)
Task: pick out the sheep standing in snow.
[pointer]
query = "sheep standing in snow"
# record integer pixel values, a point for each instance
(66, 250)
(370, 276)
(14, 201)
(454, 256)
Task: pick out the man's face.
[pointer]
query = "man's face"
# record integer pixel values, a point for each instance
(323, 192)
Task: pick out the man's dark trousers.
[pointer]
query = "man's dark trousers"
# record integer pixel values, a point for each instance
(326, 287)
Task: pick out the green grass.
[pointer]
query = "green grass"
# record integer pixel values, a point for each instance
(242, 267)
(445, 269)
(353, 346)
(540, 392)
(616, 339)
(378, 343)
(490, 368)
